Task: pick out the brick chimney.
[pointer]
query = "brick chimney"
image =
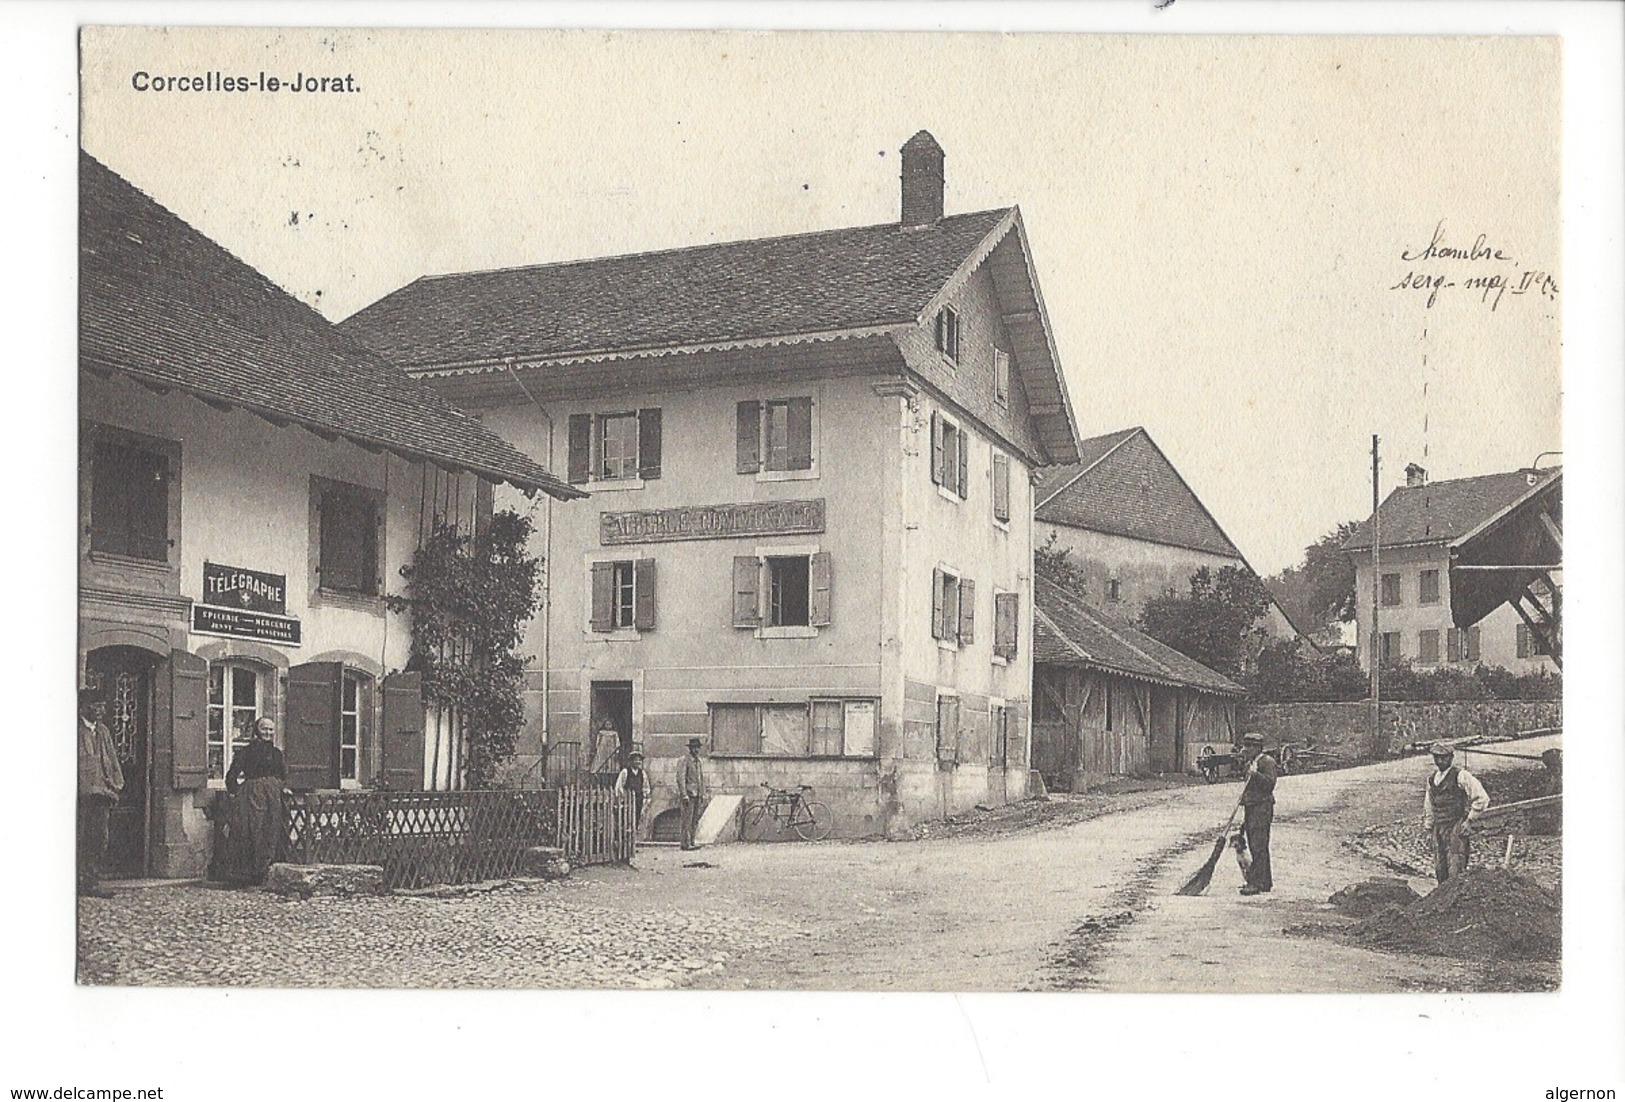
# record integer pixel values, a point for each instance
(922, 180)
(1416, 475)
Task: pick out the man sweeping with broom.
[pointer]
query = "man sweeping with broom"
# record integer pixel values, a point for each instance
(1253, 842)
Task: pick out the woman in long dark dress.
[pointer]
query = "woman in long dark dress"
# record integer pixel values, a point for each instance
(255, 779)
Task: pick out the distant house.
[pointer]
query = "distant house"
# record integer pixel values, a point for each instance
(1449, 593)
(1109, 699)
(1133, 526)
(250, 483)
(811, 457)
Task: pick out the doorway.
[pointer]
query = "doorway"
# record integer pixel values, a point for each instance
(611, 700)
(124, 677)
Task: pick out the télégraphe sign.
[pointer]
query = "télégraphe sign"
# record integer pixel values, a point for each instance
(713, 522)
(252, 590)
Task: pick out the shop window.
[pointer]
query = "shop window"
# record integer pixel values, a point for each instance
(782, 591)
(950, 458)
(948, 333)
(235, 700)
(829, 727)
(129, 501)
(1428, 588)
(622, 446)
(774, 438)
(355, 721)
(1390, 590)
(348, 526)
(953, 608)
(1006, 624)
(1427, 647)
(1001, 377)
(622, 595)
(1001, 488)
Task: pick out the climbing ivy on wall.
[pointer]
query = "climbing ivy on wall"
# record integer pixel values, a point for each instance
(469, 599)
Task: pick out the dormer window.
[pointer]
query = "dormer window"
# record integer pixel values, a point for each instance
(948, 333)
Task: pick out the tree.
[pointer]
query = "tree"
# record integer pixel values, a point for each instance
(1320, 590)
(1217, 623)
(1052, 563)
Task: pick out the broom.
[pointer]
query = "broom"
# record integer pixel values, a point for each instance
(1197, 884)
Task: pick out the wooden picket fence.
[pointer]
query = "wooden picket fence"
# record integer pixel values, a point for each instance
(422, 838)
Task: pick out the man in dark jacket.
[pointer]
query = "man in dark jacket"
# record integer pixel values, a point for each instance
(1258, 811)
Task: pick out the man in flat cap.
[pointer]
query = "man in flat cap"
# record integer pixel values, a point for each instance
(634, 781)
(690, 791)
(1258, 810)
(1451, 800)
(101, 779)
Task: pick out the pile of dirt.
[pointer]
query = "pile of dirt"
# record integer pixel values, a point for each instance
(1486, 914)
(1366, 898)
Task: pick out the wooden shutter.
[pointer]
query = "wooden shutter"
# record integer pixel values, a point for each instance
(747, 604)
(580, 461)
(747, 437)
(603, 596)
(942, 330)
(936, 449)
(964, 462)
(1452, 645)
(188, 720)
(1523, 640)
(800, 421)
(648, 443)
(818, 597)
(937, 629)
(401, 741)
(967, 611)
(310, 737)
(947, 728)
(643, 595)
(1473, 652)
(950, 456)
(1001, 487)
(1006, 623)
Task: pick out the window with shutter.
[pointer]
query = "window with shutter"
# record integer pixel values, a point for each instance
(400, 740)
(1001, 377)
(1427, 648)
(789, 591)
(747, 437)
(967, 612)
(348, 522)
(746, 591)
(1006, 624)
(580, 460)
(1001, 487)
(311, 731)
(1452, 645)
(649, 443)
(1428, 587)
(644, 595)
(948, 333)
(618, 446)
(355, 728)
(235, 697)
(129, 501)
(800, 427)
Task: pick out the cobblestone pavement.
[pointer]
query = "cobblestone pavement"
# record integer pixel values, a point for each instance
(518, 934)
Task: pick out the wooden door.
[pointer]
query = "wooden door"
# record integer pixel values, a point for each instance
(124, 677)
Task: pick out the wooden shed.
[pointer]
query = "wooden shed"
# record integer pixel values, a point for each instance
(1109, 699)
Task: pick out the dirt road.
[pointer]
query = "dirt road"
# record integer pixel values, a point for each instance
(1088, 905)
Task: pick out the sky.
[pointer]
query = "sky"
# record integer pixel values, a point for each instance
(1220, 224)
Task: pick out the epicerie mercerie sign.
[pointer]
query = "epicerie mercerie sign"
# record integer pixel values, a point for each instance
(713, 522)
(245, 604)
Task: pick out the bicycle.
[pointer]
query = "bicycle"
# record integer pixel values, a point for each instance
(790, 809)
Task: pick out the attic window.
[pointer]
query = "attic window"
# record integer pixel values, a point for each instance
(1001, 377)
(948, 333)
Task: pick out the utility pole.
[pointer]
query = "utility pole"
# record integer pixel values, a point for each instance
(1376, 603)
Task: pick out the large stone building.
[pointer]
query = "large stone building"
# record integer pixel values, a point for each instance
(811, 458)
(249, 479)
(1429, 545)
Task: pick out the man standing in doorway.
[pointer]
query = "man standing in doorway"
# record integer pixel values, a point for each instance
(690, 791)
(1452, 799)
(1258, 811)
(100, 782)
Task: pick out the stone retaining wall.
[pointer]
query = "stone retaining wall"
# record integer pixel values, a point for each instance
(1344, 727)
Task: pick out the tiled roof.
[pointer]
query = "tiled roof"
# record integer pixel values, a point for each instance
(1442, 512)
(161, 303)
(1125, 486)
(1070, 632)
(776, 287)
